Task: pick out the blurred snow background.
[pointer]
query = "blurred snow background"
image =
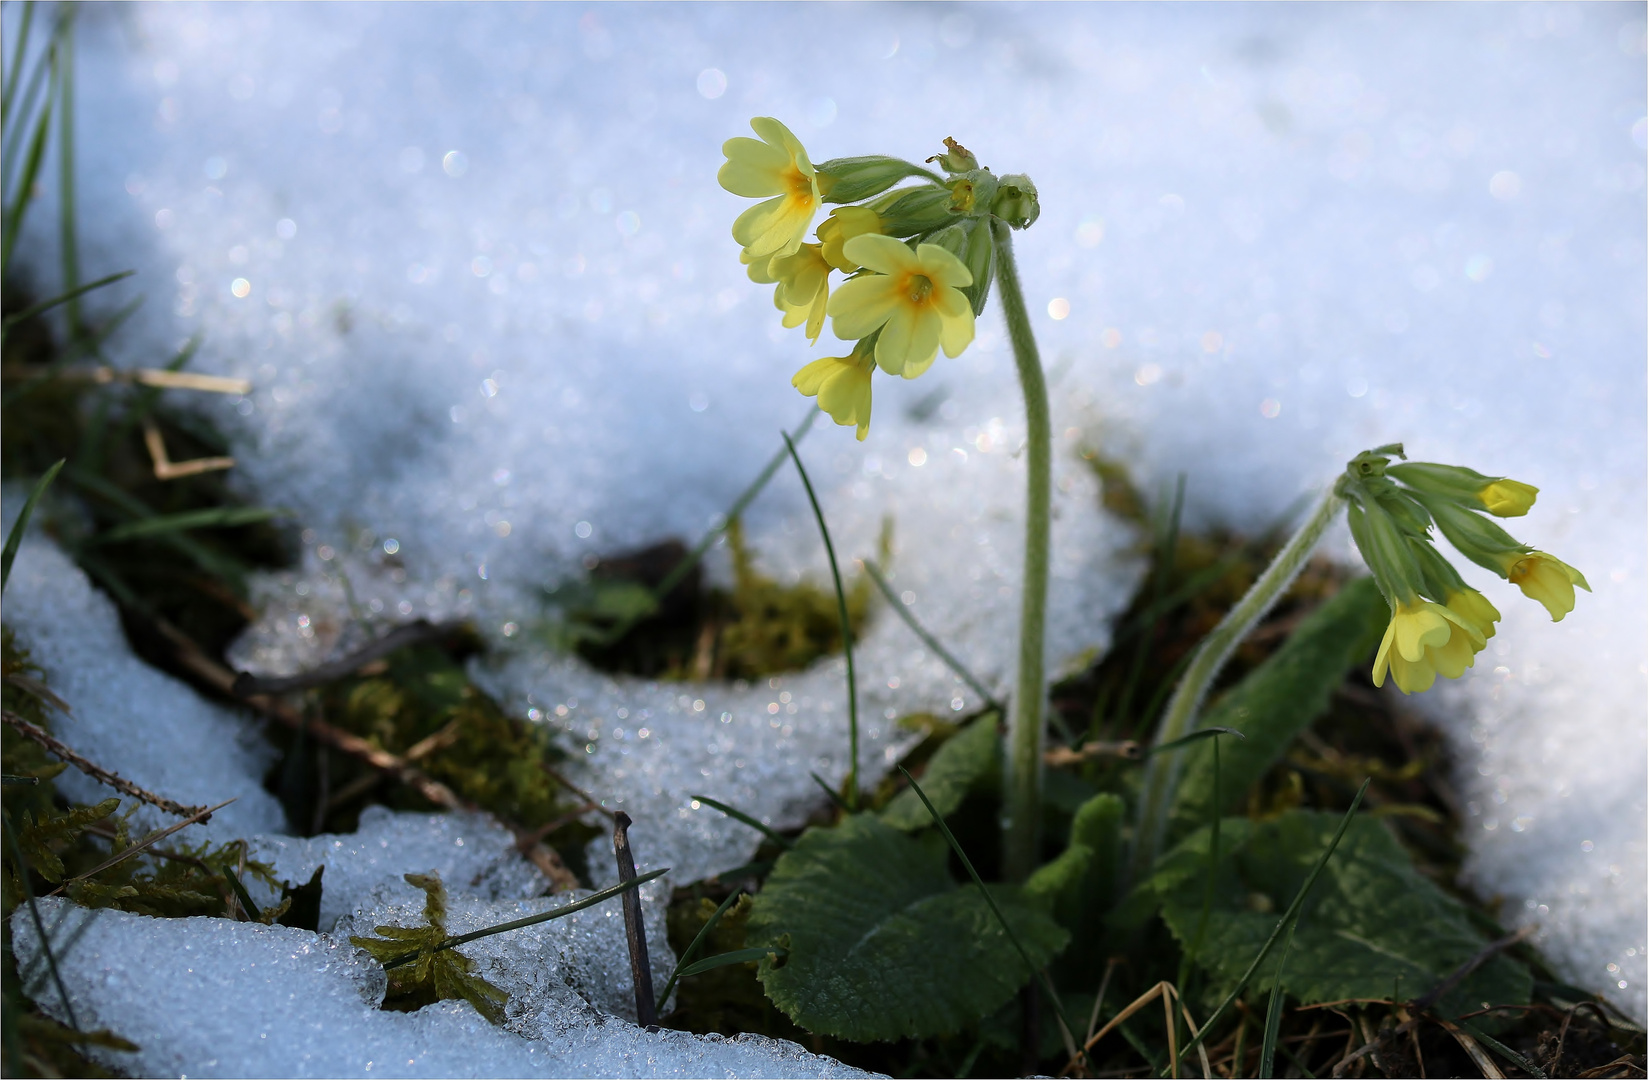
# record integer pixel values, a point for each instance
(476, 263)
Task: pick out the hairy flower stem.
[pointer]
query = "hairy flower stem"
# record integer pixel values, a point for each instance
(1021, 835)
(1161, 778)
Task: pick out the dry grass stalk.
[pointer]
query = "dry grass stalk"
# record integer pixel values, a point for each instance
(143, 844)
(95, 771)
(166, 469)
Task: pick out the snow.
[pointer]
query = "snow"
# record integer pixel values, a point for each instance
(496, 325)
(210, 997)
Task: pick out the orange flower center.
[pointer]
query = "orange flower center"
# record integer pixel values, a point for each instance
(801, 186)
(918, 287)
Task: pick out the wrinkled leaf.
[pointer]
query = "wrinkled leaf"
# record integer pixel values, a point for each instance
(964, 760)
(1373, 926)
(1279, 699)
(882, 943)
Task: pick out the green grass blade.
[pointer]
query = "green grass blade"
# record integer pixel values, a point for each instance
(928, 639)
(835, 796)
(1287, 916)
(737, 956)
(9, 94)
(14, 539)
(1273, 1011)
(47, 305)
(212, 517)
(241, 894)
(955, 846)
(217, 565)
(23, 877)
(16, 126)
(68, 241)
(99, 439)
(697, 942)
(846, 630)
(1194, 736)
(531, 920)
(750, 869)
(1504, 1051)
(13, 219)
(738, 815)
(684, 567)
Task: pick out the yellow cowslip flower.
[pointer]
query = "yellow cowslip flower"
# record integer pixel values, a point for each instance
(842, 386)
(777, 166)
(1475, 609)
(1545, 578)
(1508, 498)
(803, 281)
(844, 223)
(1423, 640)
(913, 297)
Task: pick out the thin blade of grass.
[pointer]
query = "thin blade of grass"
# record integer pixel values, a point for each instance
(835, 797)
(214, 517)
(137, 413)
(751, 869)
(68, 241)
(1273, 1011)
(10, 92)
(13, 220)
(62, 298)
(142, 845)
(220, 566)
(738, 815)
(697, 941)
(684, 567)
(846, 629)
(955, 846)
(1289, 914)
(25, 878)
(737, 956)
(1186, 970)
(1194, 736)
(1502, 1050)
(241, 894)
(531, 920)
(14, 539)
(928, 639)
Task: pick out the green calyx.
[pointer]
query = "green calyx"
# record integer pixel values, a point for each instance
(854, 178)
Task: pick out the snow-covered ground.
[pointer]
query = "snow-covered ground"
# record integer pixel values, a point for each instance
(476, 264)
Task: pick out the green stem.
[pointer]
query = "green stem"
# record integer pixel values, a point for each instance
(1024, 764)
(1161, 779)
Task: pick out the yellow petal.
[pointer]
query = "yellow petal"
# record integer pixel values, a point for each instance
(1416, 628)
(883, 254)
(753, 169)
(923, 347)
(862, 305)
(957, 313)
(893, 346)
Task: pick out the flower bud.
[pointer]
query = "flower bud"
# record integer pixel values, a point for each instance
(980, 258)
(1499, 496)
(952, 238)
(1477, 538)
(1016, 202)
(845, 180)
(959, 159)
(916, 211)
(844, 223)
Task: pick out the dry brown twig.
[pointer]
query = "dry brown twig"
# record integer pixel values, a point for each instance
(95, 771)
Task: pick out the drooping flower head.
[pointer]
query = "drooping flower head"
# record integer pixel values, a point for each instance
(775, 166)
(1438, 622)
(913, 297)
(803, 281)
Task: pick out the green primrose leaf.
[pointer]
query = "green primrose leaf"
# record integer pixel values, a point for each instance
(882, 944)
(1279, 699)
(965, 759)
(1371, 924)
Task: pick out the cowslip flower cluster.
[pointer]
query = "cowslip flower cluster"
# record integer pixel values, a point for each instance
(1438, 623)
(918, 259)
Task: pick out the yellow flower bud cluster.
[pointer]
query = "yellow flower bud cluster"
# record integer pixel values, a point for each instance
(918, 260)
(1438, 623)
